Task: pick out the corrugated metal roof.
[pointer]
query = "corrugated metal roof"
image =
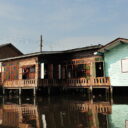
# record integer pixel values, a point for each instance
(54, 52)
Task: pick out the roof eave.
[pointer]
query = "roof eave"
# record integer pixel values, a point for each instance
(112, 44)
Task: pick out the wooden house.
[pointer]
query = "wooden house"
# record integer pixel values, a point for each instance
(8, 50)
(76, 68)
(116, 61)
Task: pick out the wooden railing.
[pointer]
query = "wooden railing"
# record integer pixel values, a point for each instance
(101, 107)
(79, 82)
(20, 83)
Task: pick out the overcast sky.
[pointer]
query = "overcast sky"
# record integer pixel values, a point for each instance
(64, 24)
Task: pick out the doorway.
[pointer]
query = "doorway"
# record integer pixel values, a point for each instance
(99, 69)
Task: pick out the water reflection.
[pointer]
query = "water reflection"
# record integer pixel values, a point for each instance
(18, 115)
(77, 114)
(119, 112)
(55, 112)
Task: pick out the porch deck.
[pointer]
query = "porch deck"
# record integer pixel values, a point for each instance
(79, 82)
(20, 83)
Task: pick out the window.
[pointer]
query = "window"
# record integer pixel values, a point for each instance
(28, 72)
(81, 70)
(124, 65)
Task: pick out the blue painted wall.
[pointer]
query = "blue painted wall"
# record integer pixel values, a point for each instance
(113, 70)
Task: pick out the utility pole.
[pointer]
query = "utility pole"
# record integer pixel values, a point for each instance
(41, 43)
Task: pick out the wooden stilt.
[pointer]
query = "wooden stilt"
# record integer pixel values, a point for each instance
(84, 92)
(61, 119)
(19, 91)
(49, 91)
(91, 99)
(19, 100)
(34, 91)
(107, 93)
(3, 91)
(111, 95)
(49, 100)
(34, 100)
(91, 89)
(90, 92)
(111, 91)
(3, 100)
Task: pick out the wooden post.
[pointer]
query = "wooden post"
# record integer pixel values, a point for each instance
(3, 100)
(84, 92)
(90, 92)
(91, 99)
(34, 100)
(49, 90)
(3, 91)
(61, 119)
(19, 91)
(34, 91)
(91, 89)
(111, 91)
(19, 100)
(107, 93)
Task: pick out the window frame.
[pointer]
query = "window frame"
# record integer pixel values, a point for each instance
(122, 66)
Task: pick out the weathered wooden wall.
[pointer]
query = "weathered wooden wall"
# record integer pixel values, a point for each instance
(28, 62)
(20, 82)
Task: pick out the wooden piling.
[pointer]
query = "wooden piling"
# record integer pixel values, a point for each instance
(107, 93)
(34, 91)
(111, 91)
(19, 100)
(3, 91)
(19, 91)
(90, 89)
(49, 90)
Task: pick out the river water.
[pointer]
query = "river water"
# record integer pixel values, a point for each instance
(63, 112)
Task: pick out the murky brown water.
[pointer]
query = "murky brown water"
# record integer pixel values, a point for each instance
(63, 112)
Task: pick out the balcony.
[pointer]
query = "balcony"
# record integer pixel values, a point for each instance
(20, 83)
(77, 82)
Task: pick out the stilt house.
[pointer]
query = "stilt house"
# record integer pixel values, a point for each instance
(72, 68)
